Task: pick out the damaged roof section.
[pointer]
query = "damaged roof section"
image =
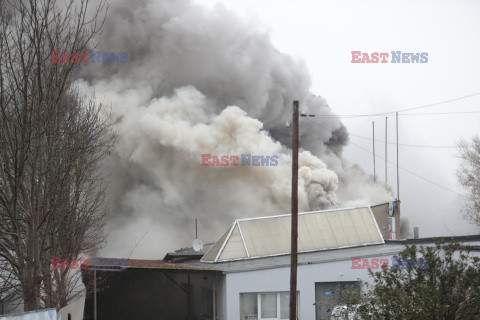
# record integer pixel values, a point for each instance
(318, 230)
(135, 264)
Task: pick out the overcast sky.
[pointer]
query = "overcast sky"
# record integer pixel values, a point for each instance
(323, 34)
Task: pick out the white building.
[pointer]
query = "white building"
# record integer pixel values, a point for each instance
(336, 249)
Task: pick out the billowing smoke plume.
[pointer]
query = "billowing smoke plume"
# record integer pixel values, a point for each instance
(202, 81)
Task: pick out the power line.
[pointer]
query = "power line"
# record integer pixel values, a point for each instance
(402, 144)
(441, 102)
(412, 173)
(401, 110)
(439, 113)
(404, 169)
(347, 116)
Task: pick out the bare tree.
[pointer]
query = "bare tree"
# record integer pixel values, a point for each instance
(77, 225)
(52, 144)
(469, 177)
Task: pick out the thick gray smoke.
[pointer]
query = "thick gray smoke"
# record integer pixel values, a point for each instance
(202, 81)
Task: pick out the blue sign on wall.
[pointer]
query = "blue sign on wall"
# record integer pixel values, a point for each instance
(391, 208)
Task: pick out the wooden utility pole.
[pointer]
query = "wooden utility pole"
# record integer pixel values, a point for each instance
(294, 237)
(386, 152)
(398, 174)
(373, 140)
(94, 294)
(189, 309)
(214, 311)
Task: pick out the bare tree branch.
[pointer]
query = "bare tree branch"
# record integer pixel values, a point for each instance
(53, 141)
(468, 175)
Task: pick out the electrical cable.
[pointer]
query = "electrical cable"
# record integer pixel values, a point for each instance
(404, 169)
(402, 144)
(401, 110)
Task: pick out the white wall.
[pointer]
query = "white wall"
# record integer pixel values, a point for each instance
(75, 309)
(279, 280)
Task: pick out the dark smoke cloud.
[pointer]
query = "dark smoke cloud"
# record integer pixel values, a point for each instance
(207, 81)
(338, 139)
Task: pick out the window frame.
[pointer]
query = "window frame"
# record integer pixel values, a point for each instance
(259, 304)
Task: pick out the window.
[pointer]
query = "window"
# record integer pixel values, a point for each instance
(285, 305)
(266, 306)
(248, 306)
